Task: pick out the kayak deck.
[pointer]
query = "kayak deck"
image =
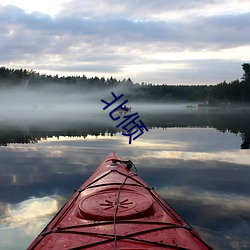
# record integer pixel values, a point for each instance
(116, 209)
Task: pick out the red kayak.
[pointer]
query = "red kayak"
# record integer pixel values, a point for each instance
(116, 209)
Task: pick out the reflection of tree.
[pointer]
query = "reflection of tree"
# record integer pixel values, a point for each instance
(237, 123)
(16, 137)
(222, 120)
(234, 121)
(246, 141)
(20, 135)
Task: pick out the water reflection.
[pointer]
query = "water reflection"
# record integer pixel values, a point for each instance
(29, 210)
(99, 124)
(20, 222)
(195, 166)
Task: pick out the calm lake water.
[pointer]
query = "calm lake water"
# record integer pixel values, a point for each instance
(197, 160)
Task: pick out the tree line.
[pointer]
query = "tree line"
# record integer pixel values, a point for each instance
(236, 91)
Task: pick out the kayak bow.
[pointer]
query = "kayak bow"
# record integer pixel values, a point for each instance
(116, 209)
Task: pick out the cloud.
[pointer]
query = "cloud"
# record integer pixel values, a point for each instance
(144, 10)
(115, 38)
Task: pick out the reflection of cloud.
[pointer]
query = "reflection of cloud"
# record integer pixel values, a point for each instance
(228, 203)
(225, 156)
(147, 144)
(2, 209)
(25, 220)
(29, 213)
(222, 219)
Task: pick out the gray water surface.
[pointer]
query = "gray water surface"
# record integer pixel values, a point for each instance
(194, 160)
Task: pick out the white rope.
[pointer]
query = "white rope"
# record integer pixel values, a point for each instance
(117, 206)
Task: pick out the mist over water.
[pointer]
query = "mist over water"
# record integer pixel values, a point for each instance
(192, 156)
(58, 109)
(55, 103)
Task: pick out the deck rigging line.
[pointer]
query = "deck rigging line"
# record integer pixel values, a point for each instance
(129, 164)
(115, 237)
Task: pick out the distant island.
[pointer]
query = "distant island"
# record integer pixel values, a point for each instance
(225, 94)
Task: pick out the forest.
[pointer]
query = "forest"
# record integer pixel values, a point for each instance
(224, 93)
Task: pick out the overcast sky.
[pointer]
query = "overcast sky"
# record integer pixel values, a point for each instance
(154, 41)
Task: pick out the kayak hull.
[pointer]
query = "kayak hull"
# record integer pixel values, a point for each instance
(116, 209)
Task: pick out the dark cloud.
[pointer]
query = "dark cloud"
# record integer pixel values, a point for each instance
(206, 30)
(225, 31)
